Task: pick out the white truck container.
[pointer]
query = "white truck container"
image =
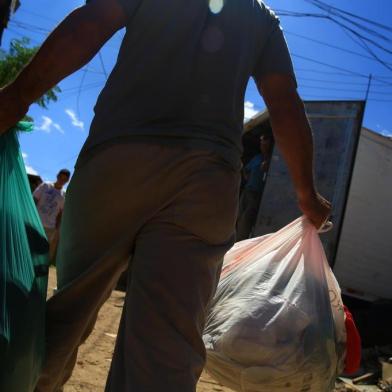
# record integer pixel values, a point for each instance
(363, 263)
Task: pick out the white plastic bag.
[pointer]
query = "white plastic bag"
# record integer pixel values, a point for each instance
(277, 319)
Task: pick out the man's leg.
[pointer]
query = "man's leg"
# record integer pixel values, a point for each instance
(112, 197)
(175, 270)
(52, 236)
(106, 204)
(87, 271)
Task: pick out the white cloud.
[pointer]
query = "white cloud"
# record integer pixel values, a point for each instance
(74, 119)
(31, 170)
(57, 126)
(249, 110)
(48, 125)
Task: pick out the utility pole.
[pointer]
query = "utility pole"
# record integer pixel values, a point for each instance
(368, 87)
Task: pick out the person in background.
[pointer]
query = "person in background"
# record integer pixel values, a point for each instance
(49, 199)
(34, 181)
(254, 177)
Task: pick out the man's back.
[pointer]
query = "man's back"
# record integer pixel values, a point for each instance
(183, 68)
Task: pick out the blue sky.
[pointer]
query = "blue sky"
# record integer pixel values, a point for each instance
(62, 129)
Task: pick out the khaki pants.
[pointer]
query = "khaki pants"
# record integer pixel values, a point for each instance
(174, 209)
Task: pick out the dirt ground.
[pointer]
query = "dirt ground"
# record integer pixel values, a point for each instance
(95, 355)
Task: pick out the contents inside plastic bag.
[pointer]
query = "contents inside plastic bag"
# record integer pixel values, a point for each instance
(23, 272)
(277, 320)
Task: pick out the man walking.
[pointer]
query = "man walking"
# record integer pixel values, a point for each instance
(49, 199)
(173, 109)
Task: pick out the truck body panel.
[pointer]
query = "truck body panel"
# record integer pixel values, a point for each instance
(336, 126)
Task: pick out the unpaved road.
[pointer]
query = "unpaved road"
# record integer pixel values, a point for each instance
(96, 353)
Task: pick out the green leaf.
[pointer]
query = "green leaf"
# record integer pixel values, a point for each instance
(13, 61)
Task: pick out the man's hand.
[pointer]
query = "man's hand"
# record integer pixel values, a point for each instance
(12, 108)
(295, 141)
(264, 166)
(316, 209)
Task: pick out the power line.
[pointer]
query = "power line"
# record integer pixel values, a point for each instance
(348, 71)
(373, 56)
(18, 33)
(346, 98)
(368, 87)
(88, 68)
(342, 71)
(318, 3)
(362, 37)
(346, 24)
(30, 27)
(23, 10)
(323, 72)
(102, 64)
(77, 88)
(345, 50)
(80, 92)
(345, 90)
(340, 82)
(74, 93)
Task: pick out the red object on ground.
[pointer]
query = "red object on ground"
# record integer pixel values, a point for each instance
(353, 345)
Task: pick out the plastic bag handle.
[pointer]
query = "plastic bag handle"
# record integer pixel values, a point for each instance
(23, 126)
(325, 227)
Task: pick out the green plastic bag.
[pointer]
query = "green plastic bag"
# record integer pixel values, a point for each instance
(23, 272)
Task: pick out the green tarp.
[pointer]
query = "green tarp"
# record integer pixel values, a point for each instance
(23, 272)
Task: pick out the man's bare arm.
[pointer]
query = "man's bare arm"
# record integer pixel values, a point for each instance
(294, 138)
(70, 46)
